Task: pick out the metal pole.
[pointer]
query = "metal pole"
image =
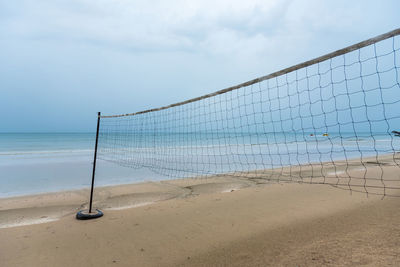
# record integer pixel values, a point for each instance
(94, 161)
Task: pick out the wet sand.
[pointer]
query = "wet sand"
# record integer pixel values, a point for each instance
(222, 221)
(41, 208)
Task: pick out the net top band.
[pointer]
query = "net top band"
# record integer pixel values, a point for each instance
(274, 74)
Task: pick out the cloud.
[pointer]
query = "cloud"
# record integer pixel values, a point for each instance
(162, 25)
(158, 52)
(177, 24)
(237, 31)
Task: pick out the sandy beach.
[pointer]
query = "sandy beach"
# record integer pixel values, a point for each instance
(223, 221)
(204, 133)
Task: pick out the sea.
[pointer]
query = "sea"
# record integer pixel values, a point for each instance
(32, 163)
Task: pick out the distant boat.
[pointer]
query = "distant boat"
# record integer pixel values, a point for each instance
(396, 133)
(325, 134)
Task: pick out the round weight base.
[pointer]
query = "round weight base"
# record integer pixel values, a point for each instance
(85, 215)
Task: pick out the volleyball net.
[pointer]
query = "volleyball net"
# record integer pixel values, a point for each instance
(331, 120)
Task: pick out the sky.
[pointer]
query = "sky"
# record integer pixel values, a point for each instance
(62, 61)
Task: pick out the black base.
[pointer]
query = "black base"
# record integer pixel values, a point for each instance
(85, 215)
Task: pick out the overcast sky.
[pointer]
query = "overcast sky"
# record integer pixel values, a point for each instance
(62, 61)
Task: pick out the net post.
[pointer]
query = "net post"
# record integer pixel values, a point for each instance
(94, 161)
(82, 215)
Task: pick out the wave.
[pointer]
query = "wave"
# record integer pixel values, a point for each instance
(44, 152)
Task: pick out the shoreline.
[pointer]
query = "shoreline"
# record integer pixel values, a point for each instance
(312, 167)
(45, 173)
(52, 206)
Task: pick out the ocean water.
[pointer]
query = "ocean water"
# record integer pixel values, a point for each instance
(44, 162)
(33, 163)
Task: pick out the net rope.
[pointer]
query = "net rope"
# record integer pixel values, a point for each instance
(325, 121)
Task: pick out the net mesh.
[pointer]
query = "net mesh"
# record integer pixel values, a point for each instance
(330, 122)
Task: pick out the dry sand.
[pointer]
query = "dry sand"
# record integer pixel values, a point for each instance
(204, 222)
